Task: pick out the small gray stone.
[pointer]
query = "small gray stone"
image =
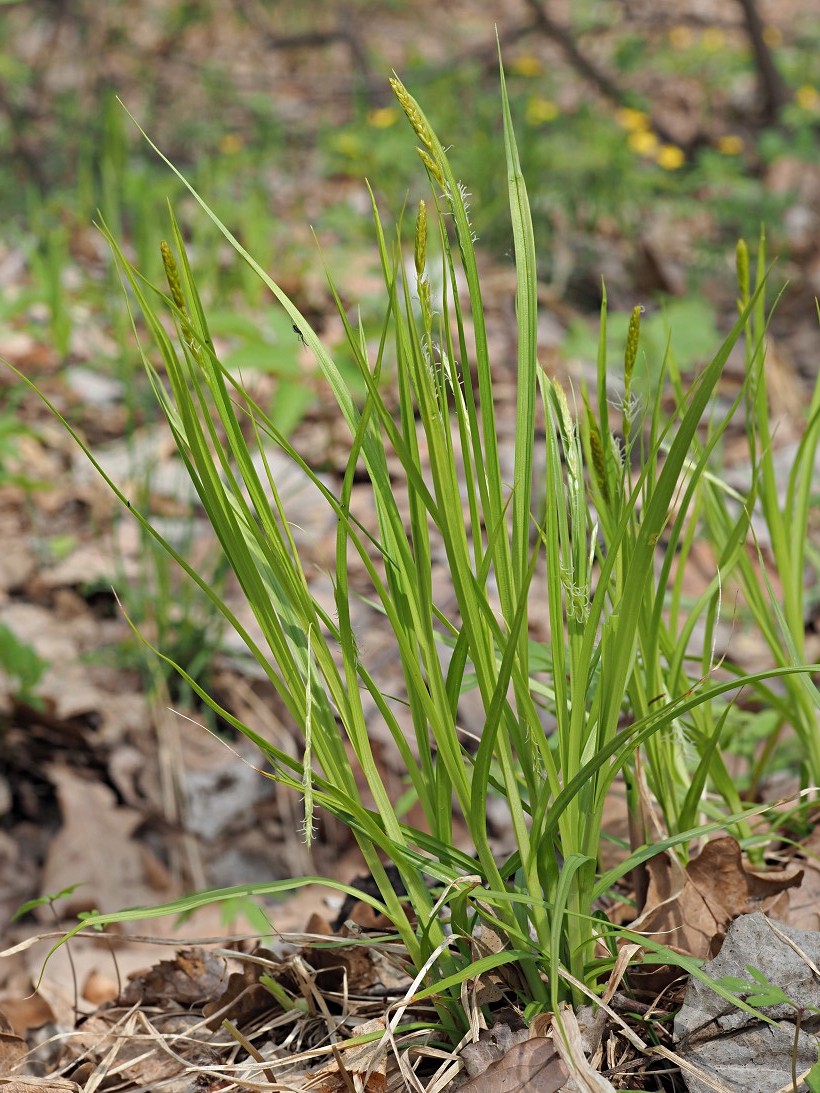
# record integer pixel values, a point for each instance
(728, 1045)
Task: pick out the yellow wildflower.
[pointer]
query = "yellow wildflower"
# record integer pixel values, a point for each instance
(644, 142)
(807, 97)
(713, 39)
(540, 110)
(382, 118)
(527, 65)
(681, 37)
(230, 144)
(634, 121)
(670, 157)
(772, 36)
(347, 144)
(730, 144)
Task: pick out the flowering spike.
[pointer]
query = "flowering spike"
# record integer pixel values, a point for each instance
(631, 352)
(420, 248)
(742, 264)
(596, 449)
(432, 167)
(172, 275)
(413, 113)
(177, 295)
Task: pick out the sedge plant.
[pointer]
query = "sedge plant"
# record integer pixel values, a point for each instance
(586, 566)
(776, 507)
(679, 762)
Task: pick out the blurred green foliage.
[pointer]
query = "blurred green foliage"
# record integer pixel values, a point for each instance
(600, 176)
(22, 664)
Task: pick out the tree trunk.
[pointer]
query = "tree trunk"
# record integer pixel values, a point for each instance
(774, 91)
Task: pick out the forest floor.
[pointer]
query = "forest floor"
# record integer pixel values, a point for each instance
(112, 794)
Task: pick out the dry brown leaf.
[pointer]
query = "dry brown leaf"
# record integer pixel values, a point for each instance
(18, 1015)
(803, 911)
(99, 989)
(241, 1002)
(690, 909)
(366, 1065)
(532, 1066)
(615, 825)
(193, 977)
(38, 1085)
(243, 998)
(494, 1043)
(110, 955)
(318, 924)
(13, 1049)
(114, 875)
(351, 964)
(127, 1043)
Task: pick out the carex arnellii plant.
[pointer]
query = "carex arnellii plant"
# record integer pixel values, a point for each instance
(559, 722)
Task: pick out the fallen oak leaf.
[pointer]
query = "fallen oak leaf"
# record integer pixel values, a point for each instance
(338, 964)
(194, 976)
(243, 998)
(115, 875)
(690, 910)
(13, 1049)
(19, 1015)
(531, 1066)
